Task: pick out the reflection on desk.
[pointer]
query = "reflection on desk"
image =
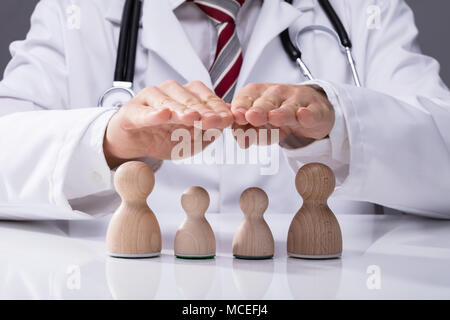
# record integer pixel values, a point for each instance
(67, 260)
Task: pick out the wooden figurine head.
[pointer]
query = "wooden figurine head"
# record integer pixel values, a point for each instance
(195, 201)
(134, 181)
(254, 202)
(315, 181)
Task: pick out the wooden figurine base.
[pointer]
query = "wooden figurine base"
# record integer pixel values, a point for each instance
(252, 257)
(134, 256)
(195, 257)
(314, 257)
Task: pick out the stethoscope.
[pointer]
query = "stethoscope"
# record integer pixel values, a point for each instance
(122, 89)
(295, 54)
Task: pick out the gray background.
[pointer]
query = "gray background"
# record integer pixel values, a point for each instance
(431, 17)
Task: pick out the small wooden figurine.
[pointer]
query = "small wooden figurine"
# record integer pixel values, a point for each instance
(195, 237)
(253, 239)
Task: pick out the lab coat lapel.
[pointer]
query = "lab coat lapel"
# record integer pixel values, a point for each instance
(275, 16)
(164, 35)
(114, 11)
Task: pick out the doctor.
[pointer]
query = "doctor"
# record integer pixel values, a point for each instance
(387, 141)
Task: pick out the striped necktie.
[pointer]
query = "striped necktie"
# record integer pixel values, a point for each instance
(228, 59)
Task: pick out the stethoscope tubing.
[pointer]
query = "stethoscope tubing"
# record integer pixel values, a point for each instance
(127, 47)
(295, 53)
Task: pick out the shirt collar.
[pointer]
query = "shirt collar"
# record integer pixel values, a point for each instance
(115, 8)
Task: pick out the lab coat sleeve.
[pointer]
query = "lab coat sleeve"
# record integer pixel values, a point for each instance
(398, 124)
(51, 159)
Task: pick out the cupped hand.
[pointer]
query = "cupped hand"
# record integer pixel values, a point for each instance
(300, 110)
(143, 127)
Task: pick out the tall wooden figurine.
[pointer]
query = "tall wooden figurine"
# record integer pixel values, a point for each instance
(314, 232)
(133, 231)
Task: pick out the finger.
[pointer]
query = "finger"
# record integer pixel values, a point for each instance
(285, 115)
(191, 101)
(315, 121)
(271, 99)
(312, 116)
(317, 131)
(157, 99)
(136, 116)
(212, 101)
(244, 101)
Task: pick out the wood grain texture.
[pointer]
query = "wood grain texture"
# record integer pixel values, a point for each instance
(134, 229)
(253, 237)
(314, 230)
(195, 236)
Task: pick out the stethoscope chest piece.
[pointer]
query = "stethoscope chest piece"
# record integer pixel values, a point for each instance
(116, 96)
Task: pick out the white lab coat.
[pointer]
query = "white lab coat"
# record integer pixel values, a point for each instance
(390, 144)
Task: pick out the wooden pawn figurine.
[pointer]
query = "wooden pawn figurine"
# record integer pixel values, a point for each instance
(195, 238)
(133, 231)
(314, 232)
(253, 239)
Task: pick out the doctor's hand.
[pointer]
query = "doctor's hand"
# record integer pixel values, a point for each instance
(143, 127)
(300, 110)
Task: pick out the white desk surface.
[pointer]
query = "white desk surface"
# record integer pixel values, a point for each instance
(67, 260)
